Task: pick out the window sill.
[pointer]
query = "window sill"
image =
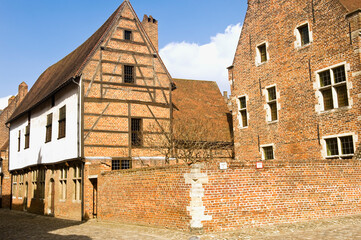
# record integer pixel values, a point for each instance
(272, 122)
(76, 201)
(62, 200)
(47, 142)
(20, 198)
(303, 46)
(240, 127)
(60, 137)
(258, 64)
(345, 108)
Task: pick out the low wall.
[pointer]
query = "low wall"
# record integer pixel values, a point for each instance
(155, 196)
(281, 193)
(240, 196)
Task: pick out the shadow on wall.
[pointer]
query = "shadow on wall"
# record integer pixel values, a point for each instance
(21, 225)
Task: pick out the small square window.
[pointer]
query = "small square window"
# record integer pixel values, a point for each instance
(267, 153)
(126, 164)
(115, 164)
(127, 35)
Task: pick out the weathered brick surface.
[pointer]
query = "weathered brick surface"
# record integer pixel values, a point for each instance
(155, 196)
(282, 192)
(295, 135)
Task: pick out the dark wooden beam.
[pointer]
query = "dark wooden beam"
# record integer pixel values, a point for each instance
(125, 84)
(127, 52)
(128, 41)
(123, 116)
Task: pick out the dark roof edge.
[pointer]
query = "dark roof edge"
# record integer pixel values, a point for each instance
(353, 12)
(77, 78)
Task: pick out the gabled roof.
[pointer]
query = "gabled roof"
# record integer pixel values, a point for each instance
(201, 103)
(64, 71)
(351, 5)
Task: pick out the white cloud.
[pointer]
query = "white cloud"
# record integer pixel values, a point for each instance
(203, 62)
(4, 102)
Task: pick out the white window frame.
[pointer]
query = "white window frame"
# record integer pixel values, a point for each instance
(258, 54)
(320, 106)
(262, 151)
(267, 107)
(338, 136)
(298, 42)
(240, 119)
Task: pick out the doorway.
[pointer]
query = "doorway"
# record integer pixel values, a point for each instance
(26, 197)
(94, 182)
(51, 197)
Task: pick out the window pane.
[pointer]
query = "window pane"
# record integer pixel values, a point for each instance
(268, 152)
(115, 164)
(325, 78)
(242, 102)
(305, 39)
(273, 107)
(327, 99)
(339, 74)
(244, 118)
(128, 74)
(271, 93)
(126, 164)
(332, 148)
(136, 132)
(347, 145)
(263, 52)
(342, 96)
(127, 35)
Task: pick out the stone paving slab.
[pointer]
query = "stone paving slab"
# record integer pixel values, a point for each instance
(21, 225)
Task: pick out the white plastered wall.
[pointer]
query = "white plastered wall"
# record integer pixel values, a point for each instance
(54, 151)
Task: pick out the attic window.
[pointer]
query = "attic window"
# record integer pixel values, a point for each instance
(127, 35)
(261, 54)
(128, 74)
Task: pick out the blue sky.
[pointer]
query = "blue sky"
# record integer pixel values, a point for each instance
(36, 34)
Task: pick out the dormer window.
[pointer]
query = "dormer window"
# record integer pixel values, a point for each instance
(127, 35)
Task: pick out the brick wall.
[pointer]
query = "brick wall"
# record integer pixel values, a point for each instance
(293, 70)
(281, 192)
(154, 196)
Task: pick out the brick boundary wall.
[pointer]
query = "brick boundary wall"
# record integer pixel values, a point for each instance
(281, 192)
(241, 196)
(154, 196)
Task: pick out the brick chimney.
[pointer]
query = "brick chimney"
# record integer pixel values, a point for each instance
(151, 27)
(23, 90)
(10, 100)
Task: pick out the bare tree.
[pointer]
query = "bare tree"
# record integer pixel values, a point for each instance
(191, 141)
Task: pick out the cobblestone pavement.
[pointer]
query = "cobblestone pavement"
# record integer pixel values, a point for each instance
(20, 225)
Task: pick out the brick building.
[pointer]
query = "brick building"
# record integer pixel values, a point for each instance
(5, 181)
(95, 111)
(296, 81)
(295, 85)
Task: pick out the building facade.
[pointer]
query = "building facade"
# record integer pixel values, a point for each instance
(5, 178)
(88, 113)
(296, 81)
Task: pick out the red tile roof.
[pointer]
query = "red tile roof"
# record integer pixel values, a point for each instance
(62, 72)
(351, 5)
(201, 103)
